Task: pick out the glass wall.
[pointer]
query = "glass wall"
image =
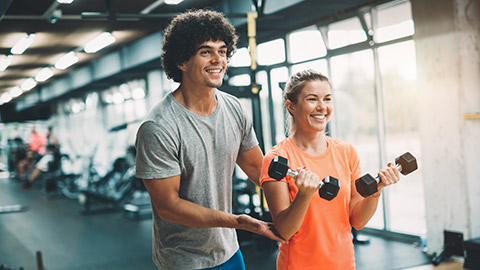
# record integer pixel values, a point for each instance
(355, 110)
(374, 99)
(398, 71)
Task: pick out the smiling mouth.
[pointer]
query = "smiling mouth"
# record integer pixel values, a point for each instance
(214, 70)
(319, 117)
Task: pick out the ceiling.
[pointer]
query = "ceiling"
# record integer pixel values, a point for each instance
(130, 21)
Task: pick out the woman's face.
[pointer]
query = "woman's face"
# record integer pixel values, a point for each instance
(313, 108)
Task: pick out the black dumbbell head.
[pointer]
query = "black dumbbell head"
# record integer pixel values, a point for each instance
(330, 188)
(408, 163)
(278, 168)
(366, 185)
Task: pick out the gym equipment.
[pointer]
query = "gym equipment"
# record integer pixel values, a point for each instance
(278, 169)
(452, 245)
(367, 185)
(472, 254)
(12, 208)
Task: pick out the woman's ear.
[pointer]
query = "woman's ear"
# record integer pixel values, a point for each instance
(290, 107)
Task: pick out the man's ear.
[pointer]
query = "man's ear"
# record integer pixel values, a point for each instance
(182, 66)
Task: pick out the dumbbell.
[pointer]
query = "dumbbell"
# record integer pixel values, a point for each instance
(278, 169)
(367, 185)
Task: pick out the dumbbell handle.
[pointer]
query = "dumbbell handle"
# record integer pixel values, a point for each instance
(397, 166)
(294, 174)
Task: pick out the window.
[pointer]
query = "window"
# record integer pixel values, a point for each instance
(406, 201)
(262, 79)
(346, 32)
(318, 65)
(240, 80)
(241, 58)
(355, 111)
(394, 22)
(306, 44)
(278, 75)
(271, 52)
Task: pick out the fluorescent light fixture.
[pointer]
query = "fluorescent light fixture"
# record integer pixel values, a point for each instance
(65, 1)
(6, 97)
(67, 60)
(100, 42)
(28, 84)
(44, 74)
(22, 44)
(5, 61)
(15, 92)
(173, 2)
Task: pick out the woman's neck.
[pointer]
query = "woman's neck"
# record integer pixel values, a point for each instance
(314, 144)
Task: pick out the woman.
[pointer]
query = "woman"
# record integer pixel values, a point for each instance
(318, 230)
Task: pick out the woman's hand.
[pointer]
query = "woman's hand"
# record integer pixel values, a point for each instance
(307, 182)
(388, 176)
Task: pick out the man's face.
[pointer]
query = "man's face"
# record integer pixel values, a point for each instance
(208, 66)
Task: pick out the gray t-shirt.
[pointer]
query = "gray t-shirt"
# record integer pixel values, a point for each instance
(203, 151)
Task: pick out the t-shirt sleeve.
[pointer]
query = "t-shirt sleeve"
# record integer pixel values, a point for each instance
(264, 177)
(249, 139)
(157, 152)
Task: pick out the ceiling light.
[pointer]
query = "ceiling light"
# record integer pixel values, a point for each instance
(22, 44)
(100, 42)
(28, 84)
(44, 74)
(5, 62)
(15, 91)
(67, 60)
(173, 2)
(6, 97)
(65, 1)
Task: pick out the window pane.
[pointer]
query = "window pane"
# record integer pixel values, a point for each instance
(240, 80)
(306, 44)
(262, 79)
(401, 102)
(355, 113)
(278, 75)
(394, 22)
(318, 65)
(271, 52)
(345, 32)
(241, 58)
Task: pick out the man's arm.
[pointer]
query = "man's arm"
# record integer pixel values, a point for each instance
(172, 208)
(250, 162)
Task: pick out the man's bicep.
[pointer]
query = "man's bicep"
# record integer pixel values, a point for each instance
(163, 192)
(250, 162)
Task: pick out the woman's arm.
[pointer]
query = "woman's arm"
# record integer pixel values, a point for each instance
(362, 209)
(288, 217)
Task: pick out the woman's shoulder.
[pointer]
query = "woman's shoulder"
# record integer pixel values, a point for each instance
(282, 148)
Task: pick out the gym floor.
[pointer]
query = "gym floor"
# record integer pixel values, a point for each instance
(69, 240)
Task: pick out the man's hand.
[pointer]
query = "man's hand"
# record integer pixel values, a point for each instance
(248, 223)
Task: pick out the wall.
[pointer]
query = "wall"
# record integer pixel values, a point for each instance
(448, 60)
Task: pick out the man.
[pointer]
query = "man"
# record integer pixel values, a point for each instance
(187, 148)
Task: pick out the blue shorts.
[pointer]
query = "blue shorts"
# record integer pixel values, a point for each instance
(234, 263)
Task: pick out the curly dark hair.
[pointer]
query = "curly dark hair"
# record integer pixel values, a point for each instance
(190, 29)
